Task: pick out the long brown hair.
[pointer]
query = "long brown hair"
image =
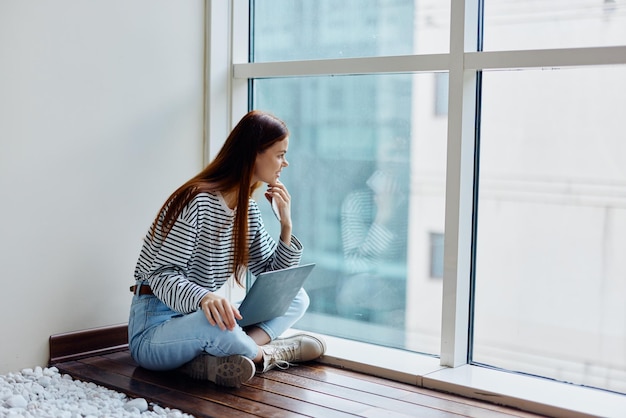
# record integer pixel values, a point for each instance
(231, 170)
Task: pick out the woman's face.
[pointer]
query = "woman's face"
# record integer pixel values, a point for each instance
(270, 162)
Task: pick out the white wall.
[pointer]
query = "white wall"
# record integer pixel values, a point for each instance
(101, 117)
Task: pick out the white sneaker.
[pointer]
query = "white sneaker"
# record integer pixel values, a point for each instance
(284, 351)
(229, 371)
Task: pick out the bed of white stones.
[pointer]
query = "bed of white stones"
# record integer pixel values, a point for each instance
(44, 392)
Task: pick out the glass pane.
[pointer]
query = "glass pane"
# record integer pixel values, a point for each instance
(286, 30)
(546, 24)
(550, 268)
(366, 175)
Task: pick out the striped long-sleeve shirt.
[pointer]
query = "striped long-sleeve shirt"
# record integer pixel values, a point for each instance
(196, 256)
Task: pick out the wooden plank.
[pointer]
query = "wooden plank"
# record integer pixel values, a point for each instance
(121, 357)
(406, 392)
(346, 398)
(390, 400)
(79, 344)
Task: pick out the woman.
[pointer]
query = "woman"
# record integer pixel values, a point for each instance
(207, 231)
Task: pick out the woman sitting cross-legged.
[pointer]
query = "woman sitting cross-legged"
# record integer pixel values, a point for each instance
(208, 230)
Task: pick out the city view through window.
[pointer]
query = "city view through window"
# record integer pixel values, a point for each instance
(367, 176)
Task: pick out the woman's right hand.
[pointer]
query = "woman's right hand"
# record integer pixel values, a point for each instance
(219, 311)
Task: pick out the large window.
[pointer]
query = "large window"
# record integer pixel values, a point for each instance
(550, 275)
(416, 155)
(364, 155)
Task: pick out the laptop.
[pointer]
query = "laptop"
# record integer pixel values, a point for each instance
(271, 294)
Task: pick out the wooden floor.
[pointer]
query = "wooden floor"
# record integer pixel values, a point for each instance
(312, 390)
(101, 356)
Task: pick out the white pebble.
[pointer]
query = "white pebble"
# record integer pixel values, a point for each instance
(5, 393)
(139, 403)
(17, 401)
(44, 381)
(50, 371)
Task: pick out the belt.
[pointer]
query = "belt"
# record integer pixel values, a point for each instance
(144, 289)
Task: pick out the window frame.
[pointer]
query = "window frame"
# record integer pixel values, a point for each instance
(228, 77)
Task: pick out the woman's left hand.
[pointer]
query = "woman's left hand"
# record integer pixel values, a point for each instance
(219, 311)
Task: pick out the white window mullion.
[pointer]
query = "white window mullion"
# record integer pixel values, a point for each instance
(546, 58)
(459, 186)
(343, 66)
(218, 64)
(240, 53)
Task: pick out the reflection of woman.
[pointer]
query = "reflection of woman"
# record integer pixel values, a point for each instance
(208, 230)
(373, 231)
(371, 223)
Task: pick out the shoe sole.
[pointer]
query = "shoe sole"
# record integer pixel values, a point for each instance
(229, 371)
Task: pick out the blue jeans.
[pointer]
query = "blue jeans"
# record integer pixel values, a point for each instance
(161, 339)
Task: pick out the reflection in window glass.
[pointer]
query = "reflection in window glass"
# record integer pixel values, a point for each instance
(550, 264)
(285, 30)
(366, 175)
(545, 24)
